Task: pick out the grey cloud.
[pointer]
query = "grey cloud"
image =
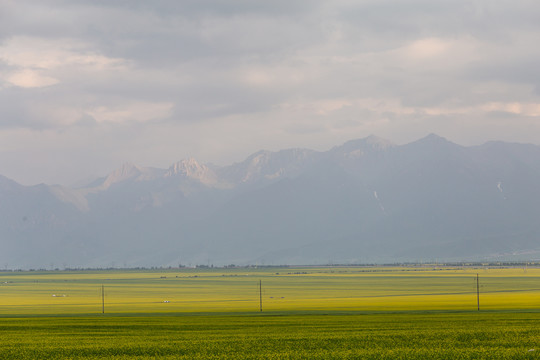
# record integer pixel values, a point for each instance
(22, 108)
(229, 68)
(196, 7)
(166, 31)
(483, 18)
(519, 70)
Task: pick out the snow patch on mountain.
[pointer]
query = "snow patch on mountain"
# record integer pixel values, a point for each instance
(379, 201)
(499, 186)
(190, 168)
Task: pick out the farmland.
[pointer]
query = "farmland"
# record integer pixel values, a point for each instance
(390, 336)
(325, 312)
(363, 289)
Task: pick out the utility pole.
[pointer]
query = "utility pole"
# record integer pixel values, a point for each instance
(260, 295)
(477, 292)
(102, 299)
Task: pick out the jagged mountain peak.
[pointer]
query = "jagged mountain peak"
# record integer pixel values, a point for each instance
(371, 142)
(191, 168)
(184, 167)
(128, 168)
(433, 142)
(259, 156)
(130, 171)
(268, 165)
(273, 165)
(359, 147)
(427, 199)
(266, 156)
(127, 171)
(433, 138)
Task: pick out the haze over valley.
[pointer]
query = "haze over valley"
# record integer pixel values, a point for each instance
(365, 201)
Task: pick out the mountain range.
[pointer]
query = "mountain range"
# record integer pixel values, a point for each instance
(366, 201)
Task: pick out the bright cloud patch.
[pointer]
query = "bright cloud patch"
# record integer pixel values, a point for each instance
(527, 109)
(135, 112)
(32, 60)
(28, 78)
(22, 51)
(427, 48)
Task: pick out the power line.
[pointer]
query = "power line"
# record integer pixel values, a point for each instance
(102, 299)
(477, 292)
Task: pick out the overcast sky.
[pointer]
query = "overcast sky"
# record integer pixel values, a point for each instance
(88, 85)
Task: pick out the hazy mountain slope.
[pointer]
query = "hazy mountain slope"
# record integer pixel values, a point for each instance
(365, 201)
(33, 223)
(265, 167)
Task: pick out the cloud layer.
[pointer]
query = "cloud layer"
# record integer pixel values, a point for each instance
(87, 85)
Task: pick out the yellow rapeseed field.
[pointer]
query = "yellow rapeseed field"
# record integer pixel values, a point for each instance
(283, 289)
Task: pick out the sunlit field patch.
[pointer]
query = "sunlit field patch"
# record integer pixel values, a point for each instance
(415, 312)
(283, 289)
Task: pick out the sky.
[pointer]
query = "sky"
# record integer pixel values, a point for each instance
(86, 86)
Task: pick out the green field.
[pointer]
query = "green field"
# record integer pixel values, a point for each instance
(380, 336)
(364, 289)
(423, 312)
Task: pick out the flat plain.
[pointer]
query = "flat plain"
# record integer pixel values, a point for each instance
(307, 313)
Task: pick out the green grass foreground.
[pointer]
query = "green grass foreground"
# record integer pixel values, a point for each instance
(416, 312)
(315, 336)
